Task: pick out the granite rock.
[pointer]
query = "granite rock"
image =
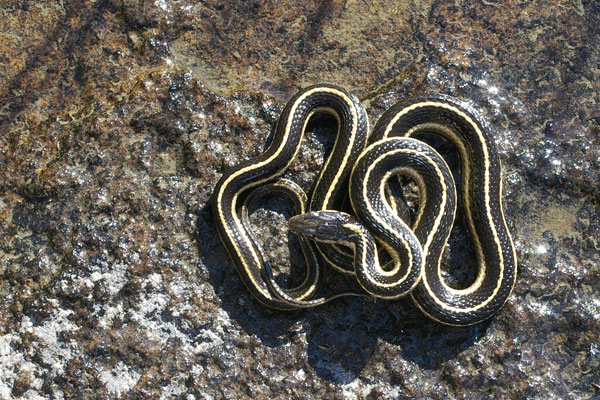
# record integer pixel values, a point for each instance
(117, 117)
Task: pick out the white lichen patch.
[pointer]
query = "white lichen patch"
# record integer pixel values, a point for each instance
(159, 330)
(114, 278)
(11, 364)
(54, 352)
(356, 389)
(45, 344)
(118, 380)
(109, 314)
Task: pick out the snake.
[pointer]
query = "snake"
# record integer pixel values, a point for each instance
(416, 249)
(395, 149)
(481, 188)
(230, 210)
(376, 224)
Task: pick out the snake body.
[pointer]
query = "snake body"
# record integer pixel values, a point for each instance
(241, 179)
(481, 200)
(416, 251)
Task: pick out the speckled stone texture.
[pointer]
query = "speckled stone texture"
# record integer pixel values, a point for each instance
(117, 117)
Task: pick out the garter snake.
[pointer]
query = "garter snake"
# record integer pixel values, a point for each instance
(236, 182)
(376, 220)
(415, 253)
(481, 200)
(395, 151)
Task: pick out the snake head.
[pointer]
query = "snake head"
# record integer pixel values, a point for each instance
(326, 226)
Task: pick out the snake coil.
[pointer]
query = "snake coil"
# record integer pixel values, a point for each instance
(416, 250)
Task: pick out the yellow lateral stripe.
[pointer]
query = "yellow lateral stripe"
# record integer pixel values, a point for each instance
(490, 220)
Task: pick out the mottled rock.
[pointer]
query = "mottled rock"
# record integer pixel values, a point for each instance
(118, 117)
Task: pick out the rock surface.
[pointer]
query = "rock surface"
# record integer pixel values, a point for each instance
(117, 117)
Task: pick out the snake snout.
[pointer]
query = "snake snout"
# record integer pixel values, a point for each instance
(324, 226)
(305, 224)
